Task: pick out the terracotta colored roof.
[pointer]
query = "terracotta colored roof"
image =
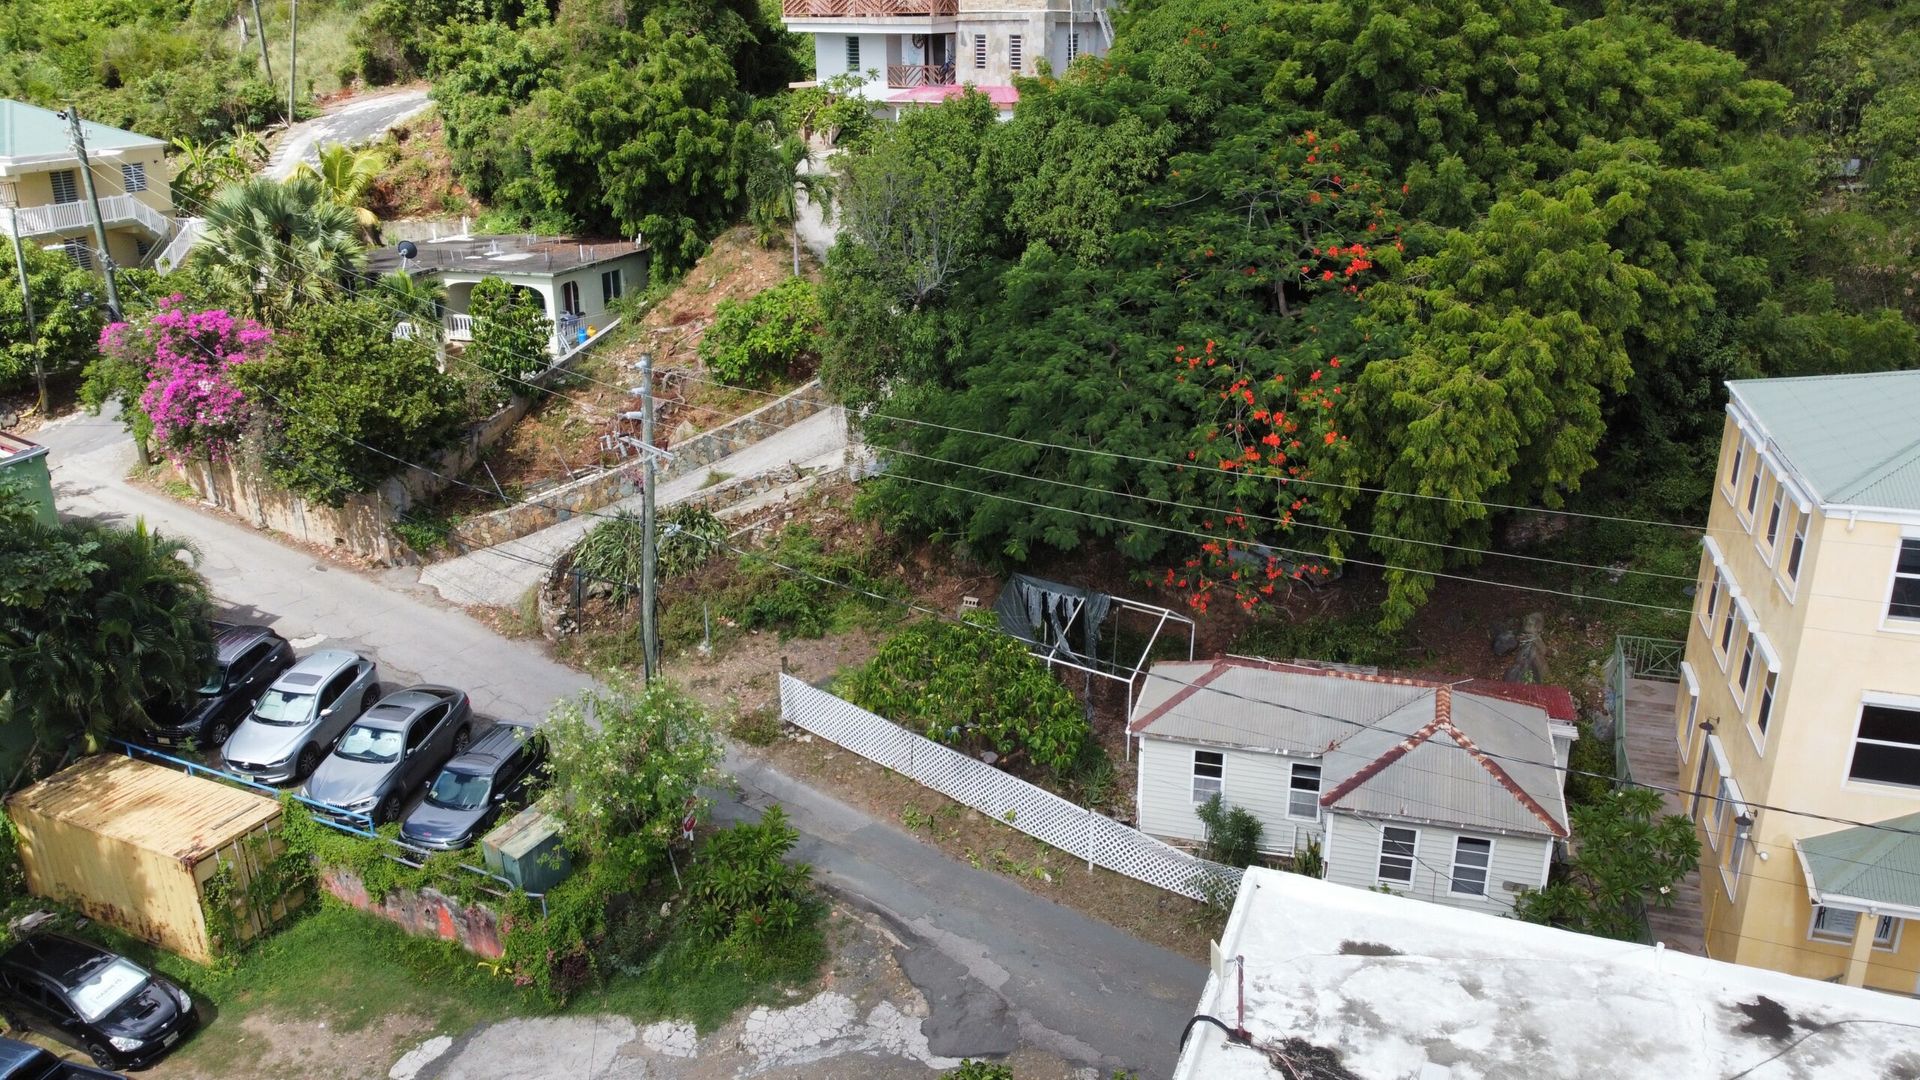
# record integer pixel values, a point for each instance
(1557, 701)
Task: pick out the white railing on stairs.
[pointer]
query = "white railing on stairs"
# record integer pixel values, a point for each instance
(182, 243)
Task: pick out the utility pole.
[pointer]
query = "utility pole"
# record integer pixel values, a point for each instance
(26, 297)
(260, 29)
(649, 639)
(93, 207)
(293, 50)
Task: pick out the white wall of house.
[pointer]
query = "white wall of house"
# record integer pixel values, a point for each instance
(1259, 782)
(1353, 854)
(830, 58)
(591, 299)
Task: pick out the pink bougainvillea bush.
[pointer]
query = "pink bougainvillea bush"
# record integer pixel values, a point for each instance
(184, 358)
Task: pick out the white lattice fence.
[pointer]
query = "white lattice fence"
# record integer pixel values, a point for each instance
(1039, 813)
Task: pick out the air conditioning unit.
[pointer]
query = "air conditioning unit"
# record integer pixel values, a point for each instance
(527, 851)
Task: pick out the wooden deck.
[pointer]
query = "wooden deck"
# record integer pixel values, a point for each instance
(1654, 758)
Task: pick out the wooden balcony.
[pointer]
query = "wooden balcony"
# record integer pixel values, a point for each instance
(865, 9)
(908, 76)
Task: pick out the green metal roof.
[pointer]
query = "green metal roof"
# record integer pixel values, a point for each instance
(1852, 438)
(29, 131)
(1868, 863)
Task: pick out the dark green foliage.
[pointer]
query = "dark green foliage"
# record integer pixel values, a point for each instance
(773, 333)
(802, 589)
(743, 894)
(97, 624)
(611, 552)
(1309, 860)
(1625, 857)
(66, 313)
(1345, 639)
(973, 687)
(979, 1070)
(1233, 833)
(510, 334)
(340, 404)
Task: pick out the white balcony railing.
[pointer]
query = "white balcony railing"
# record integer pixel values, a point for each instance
(182, 243)
(115, 210)
(459, 328)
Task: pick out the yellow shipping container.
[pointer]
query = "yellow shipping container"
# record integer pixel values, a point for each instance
(134, 844)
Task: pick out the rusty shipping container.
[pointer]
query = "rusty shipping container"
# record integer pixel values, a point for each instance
(133, 844)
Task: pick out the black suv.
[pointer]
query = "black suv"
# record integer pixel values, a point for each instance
(249, 658)
(499, 770)
(121, 1014)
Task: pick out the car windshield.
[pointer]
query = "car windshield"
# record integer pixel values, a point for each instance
(363, 743)
(458, 791)
(105, 987)
(284, 708)
(215, 682)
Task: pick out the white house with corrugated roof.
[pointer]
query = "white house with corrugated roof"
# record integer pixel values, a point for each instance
(1449, 791)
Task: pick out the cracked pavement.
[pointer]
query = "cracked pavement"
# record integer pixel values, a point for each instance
(995, 962)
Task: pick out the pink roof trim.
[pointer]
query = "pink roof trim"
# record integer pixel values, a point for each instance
(1003, 97)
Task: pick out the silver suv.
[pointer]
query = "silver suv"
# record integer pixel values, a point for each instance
(301, 716)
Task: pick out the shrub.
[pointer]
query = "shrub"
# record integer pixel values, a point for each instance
(1233, 834)
(611, 552)
(1309, 860)
(1344, 639)
(801, 589)
(979, 1070)
(774, 333)
(743, 895)
(969, 685)
(510, 334)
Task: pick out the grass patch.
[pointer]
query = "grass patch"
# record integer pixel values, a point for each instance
(691, 979)
(756, 727)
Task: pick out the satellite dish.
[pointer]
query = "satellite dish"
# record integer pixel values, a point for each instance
(408, 250)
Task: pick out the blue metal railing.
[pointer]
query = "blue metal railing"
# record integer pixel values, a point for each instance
(356, 824)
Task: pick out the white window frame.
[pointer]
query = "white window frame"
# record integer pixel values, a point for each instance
(853, 53)
(1294, 790)
(1763, 708)
(1885, 701)
(1691, 689)
(1888, 620)
(72, 191)
(1750, 497)
(1892, 923)
(1714, 594)
(1731, 489)
(1723, 799)
(1770, 536)
(1195, 777)
(1741, 679)
(1412, 856)
(1723, 637)
(133, 176)
(1073, 45)
(570, 302)
(1787, 575)
(1486, 870)
(979, 52)
(613, 285)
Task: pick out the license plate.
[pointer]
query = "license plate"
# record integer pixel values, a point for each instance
(163, 740)
(172, 1037)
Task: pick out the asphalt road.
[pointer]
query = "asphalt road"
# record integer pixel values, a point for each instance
(359, 120)
(993, 959)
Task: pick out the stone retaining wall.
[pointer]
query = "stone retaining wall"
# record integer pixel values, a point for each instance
(590, 493)
(423, 912)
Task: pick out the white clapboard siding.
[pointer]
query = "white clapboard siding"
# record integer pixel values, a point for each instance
(1257, 782)
(1353, 858)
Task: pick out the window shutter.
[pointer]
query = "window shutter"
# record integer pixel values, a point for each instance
(1013, 51)
(979, 50)
(64, 189)
(853, 53)
(134, 176)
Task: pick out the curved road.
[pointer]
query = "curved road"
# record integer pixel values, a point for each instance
(358, 120)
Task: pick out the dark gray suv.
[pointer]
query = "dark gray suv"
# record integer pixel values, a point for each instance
(498, 773)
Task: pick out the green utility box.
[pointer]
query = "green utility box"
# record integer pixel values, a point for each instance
(24, 464)
(527, 851)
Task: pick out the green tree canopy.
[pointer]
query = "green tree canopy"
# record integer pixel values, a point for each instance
(511, 333)
(67, 316)
(340, 404)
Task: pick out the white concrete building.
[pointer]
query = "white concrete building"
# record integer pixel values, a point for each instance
(1312, 979)
(576, 281)
(1444, 791)
(918, 52)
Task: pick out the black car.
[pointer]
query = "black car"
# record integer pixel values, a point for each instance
(25, 1061)
(121, 1014)
(499, 771)
(249, 658)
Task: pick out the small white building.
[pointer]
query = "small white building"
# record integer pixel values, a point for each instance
(1445, 791)
(577, 281)
(1340, 982)
(918, 52)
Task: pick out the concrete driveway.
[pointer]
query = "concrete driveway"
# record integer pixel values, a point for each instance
(361, 119)
(1001, 966)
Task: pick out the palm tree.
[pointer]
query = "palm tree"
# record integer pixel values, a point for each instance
(201, 168)
(417, 301)
(774, 187)
(279, 244)
(347, 175)
(128, 627)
